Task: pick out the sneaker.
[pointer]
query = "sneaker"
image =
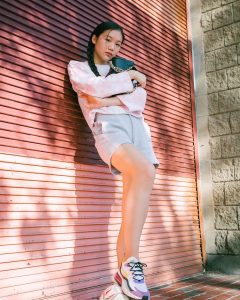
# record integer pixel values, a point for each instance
(130, 277)
(113, 292)
(118, 278)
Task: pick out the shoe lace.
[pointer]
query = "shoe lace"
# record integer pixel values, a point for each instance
(137, 270)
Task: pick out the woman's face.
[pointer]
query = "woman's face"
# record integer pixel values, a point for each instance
(107, 45)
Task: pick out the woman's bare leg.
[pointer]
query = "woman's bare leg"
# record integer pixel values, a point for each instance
(120, 240)
(138, 177)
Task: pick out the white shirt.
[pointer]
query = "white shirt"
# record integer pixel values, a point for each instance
(85, 81)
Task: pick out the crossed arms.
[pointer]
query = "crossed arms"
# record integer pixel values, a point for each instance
(96, 92)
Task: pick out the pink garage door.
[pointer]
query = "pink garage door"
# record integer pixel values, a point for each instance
(60, 207)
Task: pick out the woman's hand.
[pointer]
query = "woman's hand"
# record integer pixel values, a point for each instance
(140, 77)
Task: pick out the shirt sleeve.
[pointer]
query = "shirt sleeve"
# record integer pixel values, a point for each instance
(135, 101)
(83, 80)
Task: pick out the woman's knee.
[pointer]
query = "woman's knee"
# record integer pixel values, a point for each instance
(140, 170)
(144, 170)
(132, 163)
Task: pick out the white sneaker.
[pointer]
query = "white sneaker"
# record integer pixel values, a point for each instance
(131, 278)
(113, 292)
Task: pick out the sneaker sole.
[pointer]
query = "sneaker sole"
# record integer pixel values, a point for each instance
(118, 279)
(122, 296)
(126, 288)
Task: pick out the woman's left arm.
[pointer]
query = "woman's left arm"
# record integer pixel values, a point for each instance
(134, 101)
(92, 102)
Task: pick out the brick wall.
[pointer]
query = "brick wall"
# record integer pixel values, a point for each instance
(221, 27)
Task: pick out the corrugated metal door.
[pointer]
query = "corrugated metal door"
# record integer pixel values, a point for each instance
(60, 207)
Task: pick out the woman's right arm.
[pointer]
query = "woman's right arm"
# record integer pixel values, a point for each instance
(139, 77)
(99, 86)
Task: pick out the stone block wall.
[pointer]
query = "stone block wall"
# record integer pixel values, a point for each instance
(221, 26)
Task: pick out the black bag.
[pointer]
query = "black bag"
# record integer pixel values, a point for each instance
(120, 64)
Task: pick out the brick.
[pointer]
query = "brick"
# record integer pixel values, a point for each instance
(226, 57)
(238, 52)
(221, 242)
(237, 168)
(235, 121)
(230, 145)
(222, 16)
(213, 103)
(217, 81)
(238, 217)
(236, 11)
(232, 193)
(213, 286)
(229, 100)
(214, 39)
(215, 146)
(219, 124)
(227, 1)
(233, 240)
(233, 77)
(232, 33)
(221, 297)
(204, 296)
(222, 170)
(218, 193)
(210, 61)
(174, 293)
(206, 21)
(157, 297)
(209, 5)
(194, 293)
(226, 217)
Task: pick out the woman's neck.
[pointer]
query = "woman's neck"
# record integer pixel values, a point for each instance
(104, 64)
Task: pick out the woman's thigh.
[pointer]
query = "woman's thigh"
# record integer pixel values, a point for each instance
(129, 160)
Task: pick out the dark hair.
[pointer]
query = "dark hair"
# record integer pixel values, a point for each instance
(90, 49)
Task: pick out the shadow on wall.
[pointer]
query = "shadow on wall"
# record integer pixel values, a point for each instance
(48, 121)
(227, 258)
(228, 264)
(44, 122)
(41, 128)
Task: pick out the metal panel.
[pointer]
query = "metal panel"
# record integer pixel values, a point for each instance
(60, 207)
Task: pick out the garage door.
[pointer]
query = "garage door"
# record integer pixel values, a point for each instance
(60, 206)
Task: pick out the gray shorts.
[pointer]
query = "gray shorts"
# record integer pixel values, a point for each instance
(112, 130)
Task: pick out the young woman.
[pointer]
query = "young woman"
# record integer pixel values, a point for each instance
(113, 109)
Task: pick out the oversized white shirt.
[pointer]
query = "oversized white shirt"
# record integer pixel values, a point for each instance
(83, 80)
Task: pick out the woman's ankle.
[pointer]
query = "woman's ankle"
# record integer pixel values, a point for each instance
(131, 255)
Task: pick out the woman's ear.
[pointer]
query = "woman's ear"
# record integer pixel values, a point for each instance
(94, 39)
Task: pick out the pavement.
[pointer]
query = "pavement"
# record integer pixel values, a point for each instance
(200, 287)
